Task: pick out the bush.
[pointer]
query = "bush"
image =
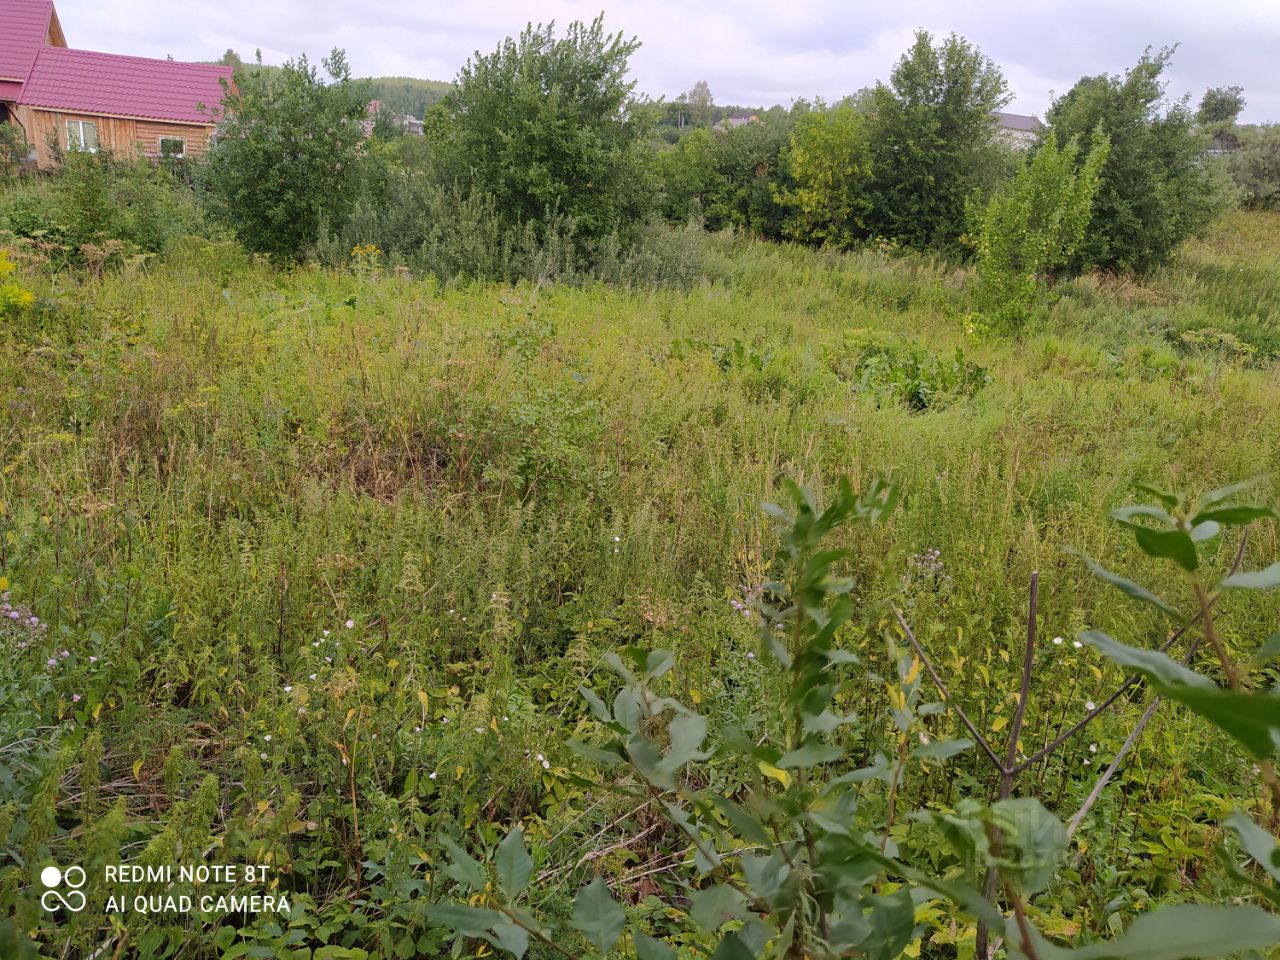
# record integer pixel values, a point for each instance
(903, 371)
(1033, 227)
(288, 158)
(933, 141)
(1255, 166)
(1155, 189)
(550, 129)
(829, 161)
(96, 200)
(13, 148)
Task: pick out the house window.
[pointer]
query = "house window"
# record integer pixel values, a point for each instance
(82, 135)
(173, 148)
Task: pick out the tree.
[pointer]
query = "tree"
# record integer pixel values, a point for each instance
(549, 128)
(933, 140)
(287, 160)
(1155, 189)
(689, 174)
(385, 126)
(700, 104)
(1220, 106)
(1032, 227)
(1255, 167)
(751, 174)
(829, 161)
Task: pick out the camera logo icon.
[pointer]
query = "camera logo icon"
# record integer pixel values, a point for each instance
(54, 878)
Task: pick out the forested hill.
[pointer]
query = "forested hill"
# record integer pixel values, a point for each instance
(400, 94)
(407, 94)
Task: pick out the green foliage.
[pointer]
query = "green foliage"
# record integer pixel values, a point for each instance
(211, 462)
(1220, 106)
(1179, 529)
(13, 148)
(1155, 189)
(792, 865)
(751, 174)
(933, 140)
(903, 371)
(1255, 166)
(729, 178)
(828, 160)
(549, 128)
(690, 174)
(287, 161)
(1032, 228)
(97, 209)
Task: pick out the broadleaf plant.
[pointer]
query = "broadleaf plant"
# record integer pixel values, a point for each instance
(793, 863)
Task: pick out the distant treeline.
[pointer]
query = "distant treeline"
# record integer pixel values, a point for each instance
(403, 95)
(541, 161)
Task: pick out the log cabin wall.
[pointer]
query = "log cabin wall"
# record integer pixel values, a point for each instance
(149, 133)
(123, 136)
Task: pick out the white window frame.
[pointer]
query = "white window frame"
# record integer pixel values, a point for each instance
(79, 143)
(180, 155)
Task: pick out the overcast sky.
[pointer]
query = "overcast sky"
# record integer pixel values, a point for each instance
(750, 51)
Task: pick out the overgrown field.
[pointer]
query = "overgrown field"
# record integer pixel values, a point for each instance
(319, 560)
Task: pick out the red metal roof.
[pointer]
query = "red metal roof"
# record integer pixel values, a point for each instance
(24, 25)
(9, 90)
(82, 81)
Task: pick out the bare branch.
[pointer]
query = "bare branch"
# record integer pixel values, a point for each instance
(946, 695)
(1111, 770)
(1024, 693)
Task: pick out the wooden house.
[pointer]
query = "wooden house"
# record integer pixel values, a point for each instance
(84, 100)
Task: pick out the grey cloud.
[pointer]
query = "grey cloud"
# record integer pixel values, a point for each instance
(751, 52)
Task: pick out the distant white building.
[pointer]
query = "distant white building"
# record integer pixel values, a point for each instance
(735, 120)
(1018, 130)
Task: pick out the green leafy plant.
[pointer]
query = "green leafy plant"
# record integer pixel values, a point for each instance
(792, 866)
(1155, 189)
(1181, 531)
(288, 159)
(898, 370)
(1032, 228)
(829, 160)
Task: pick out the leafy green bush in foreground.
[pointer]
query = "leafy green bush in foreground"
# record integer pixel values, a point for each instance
(793, 866)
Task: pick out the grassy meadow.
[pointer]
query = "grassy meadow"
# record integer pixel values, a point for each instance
(320, 558)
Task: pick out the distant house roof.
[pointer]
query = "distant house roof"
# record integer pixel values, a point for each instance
(109, 84)
(26, 25)
(1018, 121)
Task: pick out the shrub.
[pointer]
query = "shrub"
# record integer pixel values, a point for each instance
(829, 162)
(933, 140)
(1032, 228)
(1155, 189)
(288, 159)
(689, 173)
(903, 371)
(750, 173)
(1255, 166)
(550, 129)
(13, 148)
(95, 200)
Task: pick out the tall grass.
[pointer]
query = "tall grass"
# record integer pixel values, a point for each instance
(211, 467)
